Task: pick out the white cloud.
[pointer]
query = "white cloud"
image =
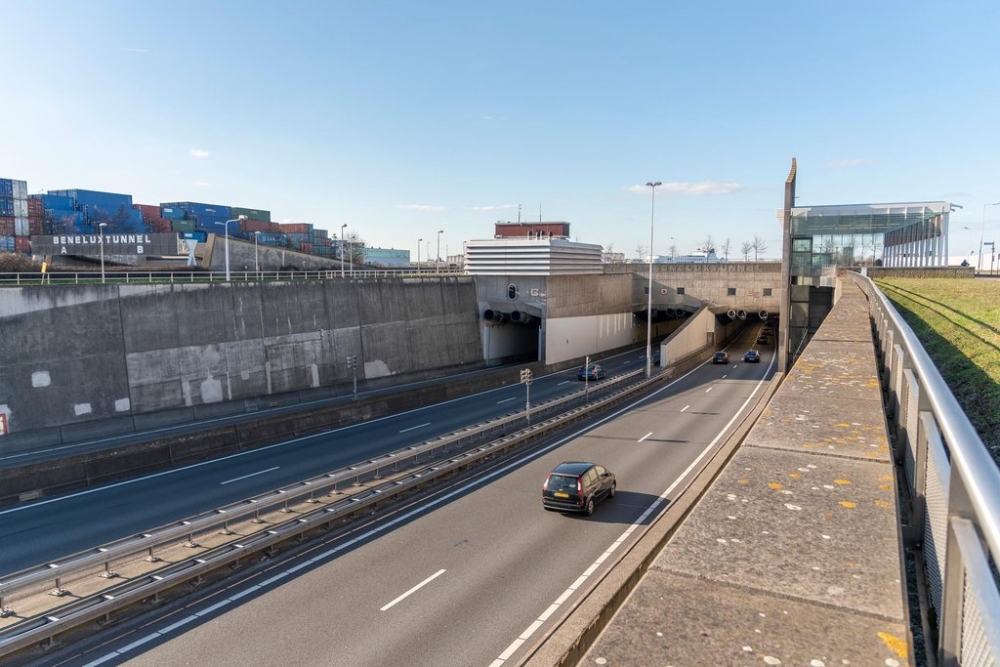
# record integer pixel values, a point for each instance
(199, 153)
(201, 184)
(702, 188)
(846, 164)
(492, 208)
(422, 207)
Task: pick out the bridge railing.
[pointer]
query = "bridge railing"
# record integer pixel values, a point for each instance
(953, 487)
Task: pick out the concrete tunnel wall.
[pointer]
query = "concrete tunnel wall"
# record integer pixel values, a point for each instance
(75, 354)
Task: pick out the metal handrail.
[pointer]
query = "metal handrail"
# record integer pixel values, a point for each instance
(25, 278)
(971, 479)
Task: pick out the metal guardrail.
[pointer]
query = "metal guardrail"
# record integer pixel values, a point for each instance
(954, 492)
(103, 561)
(169, 277)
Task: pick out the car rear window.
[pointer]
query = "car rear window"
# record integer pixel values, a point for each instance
(561, 483)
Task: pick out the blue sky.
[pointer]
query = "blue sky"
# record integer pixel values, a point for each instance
(404, 118)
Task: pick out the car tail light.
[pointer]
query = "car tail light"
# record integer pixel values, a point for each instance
(545, 484)
(579, 489)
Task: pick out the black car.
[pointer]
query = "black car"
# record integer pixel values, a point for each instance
(576, 486)
(752, 357)
(720, 358)
(591, 372)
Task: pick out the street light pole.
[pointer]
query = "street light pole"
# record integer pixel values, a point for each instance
(256, 254)
(649, 297)
(982, 237)
(101, 227)
(343, 239)
(437, 262)
(420, 242)
(226, 225)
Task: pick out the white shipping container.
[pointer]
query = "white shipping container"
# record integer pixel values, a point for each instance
(20, 190)
(20, 208)
(21, 227)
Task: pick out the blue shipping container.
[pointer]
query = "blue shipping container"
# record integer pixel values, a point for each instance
(107, 201)
(7, 243)
(195, 208)
(172, 213)
(6, 206)
(56, 201)
(6, 187)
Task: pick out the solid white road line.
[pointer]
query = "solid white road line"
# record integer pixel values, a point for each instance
(253, 474)
(645, 436)
(414, 428)
(562, 383)
(512, 398)
(414, 589)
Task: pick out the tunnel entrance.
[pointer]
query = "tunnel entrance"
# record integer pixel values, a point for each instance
(511, 337)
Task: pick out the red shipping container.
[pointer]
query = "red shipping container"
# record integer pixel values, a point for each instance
(35, 208)
(22, 244)
(296, 228)
(36, 226)
(256, 226)
(160, 225)
(306, 247)
(6, 225)
(149, 212)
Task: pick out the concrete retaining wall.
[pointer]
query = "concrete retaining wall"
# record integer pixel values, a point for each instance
(77, 355)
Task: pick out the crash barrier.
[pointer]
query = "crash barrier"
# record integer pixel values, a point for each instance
(107, 561)
(953, 492)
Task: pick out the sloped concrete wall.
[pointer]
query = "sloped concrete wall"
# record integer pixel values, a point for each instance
(76, 354)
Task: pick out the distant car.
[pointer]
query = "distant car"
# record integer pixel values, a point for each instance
(752, 357)
(720, 358)
(577, 486)
(656, 357)
(763, 340)
(592, 372)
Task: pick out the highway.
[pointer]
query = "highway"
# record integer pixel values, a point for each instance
(463, 579)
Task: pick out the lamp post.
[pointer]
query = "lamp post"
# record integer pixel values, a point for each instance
(982, 237)
(420, 242)
(343, 239)
(649, 297)
(226, 225)
(350, 260)
(256, 254)
(437, 262)
(101, 227)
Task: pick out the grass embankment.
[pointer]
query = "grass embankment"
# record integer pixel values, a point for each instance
(958, 323)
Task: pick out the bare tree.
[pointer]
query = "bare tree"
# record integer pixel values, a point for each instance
(745, 248)
(672, 250)
(828, 245)
(759, 247)
(725, 248)
(640, 252)
(708, 245)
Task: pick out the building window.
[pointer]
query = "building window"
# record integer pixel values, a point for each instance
(680, 291)
(767, 291)
(645, 290)
(730, 291)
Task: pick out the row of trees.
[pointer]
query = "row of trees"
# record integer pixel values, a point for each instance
(757, 247)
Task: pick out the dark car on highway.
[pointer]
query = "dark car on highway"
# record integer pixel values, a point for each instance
(577, 486)
(591, 372)
(752, 357)
(720, 358)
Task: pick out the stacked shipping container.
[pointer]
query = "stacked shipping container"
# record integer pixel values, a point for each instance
(77, 211)
(14, 227)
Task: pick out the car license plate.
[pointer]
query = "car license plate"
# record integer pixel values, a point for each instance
(560, 494)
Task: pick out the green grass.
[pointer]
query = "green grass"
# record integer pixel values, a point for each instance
(958, 323)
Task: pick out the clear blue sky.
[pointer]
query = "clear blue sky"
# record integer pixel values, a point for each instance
(405, 118)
